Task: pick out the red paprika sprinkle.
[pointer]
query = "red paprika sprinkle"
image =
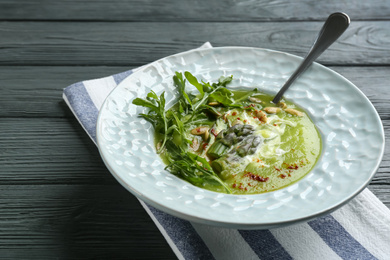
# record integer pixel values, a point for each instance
(282, 176)
(213, 132)
(234, 113)
(256, 177)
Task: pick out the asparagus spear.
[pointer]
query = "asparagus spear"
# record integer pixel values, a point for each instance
(227, 138)
(231, 145)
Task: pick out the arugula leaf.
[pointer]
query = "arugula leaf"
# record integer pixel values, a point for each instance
(245, 97)
(223, 96)
(192, 167)
(191, 79)
(207, 87)
(181, 130)
(201, 104)
(151, 118)
(152, 94)
(173, 125)
(156, 114)
(213, 110)
(180, 83)
(145, 103)
(223, 81)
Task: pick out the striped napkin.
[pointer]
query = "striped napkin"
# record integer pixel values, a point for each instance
(359, 230)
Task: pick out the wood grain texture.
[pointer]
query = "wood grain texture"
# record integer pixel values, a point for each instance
(76, 222)
(49, 151)
(171, 10)
(79, 222)
(35, 91)
(135, 44)
(31, 91)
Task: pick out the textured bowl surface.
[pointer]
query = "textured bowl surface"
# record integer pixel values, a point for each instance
(352, 133)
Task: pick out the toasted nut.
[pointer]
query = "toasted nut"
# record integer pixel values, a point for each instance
(282, 105)
(206, 135)
(195, 144)
(237, 122)
(262, 116)
(272, 110)
(213, 103)
(255, 100)
(224, 117)
(200, 130)
(294, 112)
(158, 145)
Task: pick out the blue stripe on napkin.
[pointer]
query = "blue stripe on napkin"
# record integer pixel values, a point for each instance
(264, 244)
(83, 107)
(337, 238)
(121, 76)
(191, 246)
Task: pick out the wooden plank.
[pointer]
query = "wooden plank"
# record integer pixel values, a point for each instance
(178, 11)
(35, 91)
(382, 192)
(83, 222)
(138, 43)
(31, 91)
(76, 222)
(49, 151)
(372, 81)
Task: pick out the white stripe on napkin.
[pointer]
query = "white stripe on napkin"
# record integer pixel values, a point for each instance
(225, 243)
(99, 89)
(372, 237)
(303, 243)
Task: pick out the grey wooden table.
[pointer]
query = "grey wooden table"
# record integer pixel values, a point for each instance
(57, 199)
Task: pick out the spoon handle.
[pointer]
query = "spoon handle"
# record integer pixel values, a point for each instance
(334, 26)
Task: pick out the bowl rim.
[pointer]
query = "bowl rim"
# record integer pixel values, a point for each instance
(236, 224)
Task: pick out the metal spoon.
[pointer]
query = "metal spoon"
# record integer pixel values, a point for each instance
(334, 26)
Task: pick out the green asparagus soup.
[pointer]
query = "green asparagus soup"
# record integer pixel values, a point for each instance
(232, 141)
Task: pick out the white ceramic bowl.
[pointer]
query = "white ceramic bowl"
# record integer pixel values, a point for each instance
(352, 134)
